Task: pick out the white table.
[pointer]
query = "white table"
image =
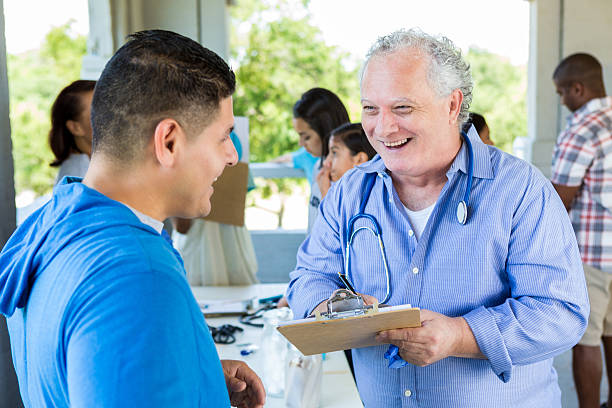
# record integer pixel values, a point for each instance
(338, 386)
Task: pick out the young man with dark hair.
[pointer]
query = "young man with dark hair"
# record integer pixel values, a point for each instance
(98, 307)
(580, 174)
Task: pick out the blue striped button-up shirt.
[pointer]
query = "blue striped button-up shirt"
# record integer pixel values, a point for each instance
(513, 271)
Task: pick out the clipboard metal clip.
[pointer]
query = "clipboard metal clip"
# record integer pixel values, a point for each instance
(345, 303)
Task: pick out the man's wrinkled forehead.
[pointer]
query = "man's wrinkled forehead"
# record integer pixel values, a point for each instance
(390, 61)
(402, 68)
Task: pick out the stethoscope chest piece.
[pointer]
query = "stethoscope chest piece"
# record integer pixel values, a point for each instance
(462, 212)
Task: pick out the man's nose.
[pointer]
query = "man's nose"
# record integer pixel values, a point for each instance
(232, 155)
(386, 123)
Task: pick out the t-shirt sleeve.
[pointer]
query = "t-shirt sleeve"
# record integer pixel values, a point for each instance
(135, 341)
(572, 157)
(305, 161)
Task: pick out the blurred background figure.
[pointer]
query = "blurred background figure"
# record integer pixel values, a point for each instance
(70, 134)
(315, 115)
(300, 159)
(481, 126)
(348, 147)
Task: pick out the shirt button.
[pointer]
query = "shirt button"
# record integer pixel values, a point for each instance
(410, 233)
(407, 393)
(380, 175)
(415, 270)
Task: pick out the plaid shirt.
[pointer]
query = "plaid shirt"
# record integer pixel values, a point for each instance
(583, 157)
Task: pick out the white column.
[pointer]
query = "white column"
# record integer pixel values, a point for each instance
(542, 101)
(9, 390)
(214, 33)
(589, 29)
(100, 43)
(110, 21)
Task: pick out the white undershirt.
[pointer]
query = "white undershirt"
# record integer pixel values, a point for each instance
(145, 219)
(418, 219)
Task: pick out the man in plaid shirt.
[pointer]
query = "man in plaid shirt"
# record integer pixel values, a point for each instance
(582, 175)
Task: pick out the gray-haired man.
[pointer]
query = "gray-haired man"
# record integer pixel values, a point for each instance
(478, 239)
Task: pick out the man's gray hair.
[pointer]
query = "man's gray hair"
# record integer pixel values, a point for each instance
(447, 68)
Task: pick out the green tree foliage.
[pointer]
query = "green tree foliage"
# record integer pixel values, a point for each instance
(279, 56)
(499, 95)
(35, 79)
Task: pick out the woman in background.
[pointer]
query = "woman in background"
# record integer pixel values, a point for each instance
(315, 115)
(70, 135)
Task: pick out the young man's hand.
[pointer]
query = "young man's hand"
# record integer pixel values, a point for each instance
(244, 387)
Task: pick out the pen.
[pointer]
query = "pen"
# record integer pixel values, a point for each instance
(346, 282)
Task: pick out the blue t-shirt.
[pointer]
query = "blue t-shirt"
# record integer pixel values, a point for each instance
(305, 161)
(100, 313)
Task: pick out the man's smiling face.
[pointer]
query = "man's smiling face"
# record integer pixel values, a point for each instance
(406, 121)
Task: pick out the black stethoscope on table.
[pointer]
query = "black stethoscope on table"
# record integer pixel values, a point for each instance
(462, 213)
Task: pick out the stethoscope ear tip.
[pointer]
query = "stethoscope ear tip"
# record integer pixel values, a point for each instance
(462, 212)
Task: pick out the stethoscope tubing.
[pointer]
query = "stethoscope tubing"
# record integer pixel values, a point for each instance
(462, 212)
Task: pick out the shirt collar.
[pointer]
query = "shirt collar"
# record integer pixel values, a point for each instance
(482, 159)
(145, 219)
(590, 107)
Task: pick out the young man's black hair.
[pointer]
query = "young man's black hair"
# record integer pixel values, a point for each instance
(156, 74)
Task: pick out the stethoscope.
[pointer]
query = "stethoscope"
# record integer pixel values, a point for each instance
(462, 214)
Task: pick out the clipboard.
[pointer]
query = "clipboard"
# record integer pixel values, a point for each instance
(228, 201)
(348, 329)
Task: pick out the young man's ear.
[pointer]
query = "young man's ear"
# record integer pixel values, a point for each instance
(360, 158)
(166, 138)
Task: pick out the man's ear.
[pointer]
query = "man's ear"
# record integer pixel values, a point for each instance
(578, 88)
(75, 127)
(360, 158)
(454, 106)
(166, 139)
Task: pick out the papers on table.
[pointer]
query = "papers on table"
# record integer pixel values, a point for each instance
(216, 307)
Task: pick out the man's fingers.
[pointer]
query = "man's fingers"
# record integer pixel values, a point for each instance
(243, 384)
(236, 385)
(427, 315)
(368, 300)
(255, 384)
(413, 335)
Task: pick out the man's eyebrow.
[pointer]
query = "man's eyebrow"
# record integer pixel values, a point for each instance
(404, 99)
(395, 100)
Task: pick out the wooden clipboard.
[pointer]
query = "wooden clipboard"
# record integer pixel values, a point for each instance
(228, 201)
(312, 336)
